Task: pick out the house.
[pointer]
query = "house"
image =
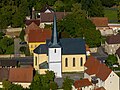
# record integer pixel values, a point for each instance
(115, 27)
(28, 22)
(21, 76)
(118, 55)
(101, 24)
(60, 55)
(47, 18)
(83, 84)
(36, 36)
(100, 75)
(112, 44)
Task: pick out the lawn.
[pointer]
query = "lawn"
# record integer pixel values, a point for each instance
(111, 13)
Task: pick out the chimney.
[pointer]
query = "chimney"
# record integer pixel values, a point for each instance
(33, 13)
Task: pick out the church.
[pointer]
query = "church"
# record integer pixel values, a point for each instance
(60, 55)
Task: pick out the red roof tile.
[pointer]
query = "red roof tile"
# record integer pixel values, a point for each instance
(100, 21)
(82, 83)
(114, 39)
(96, 67)
(32, 26)
(28, 22)
(4, 73)
(100, 88)
(48, 17)
(20, 74)
(39, 35)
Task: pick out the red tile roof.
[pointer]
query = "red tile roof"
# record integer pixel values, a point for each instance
(114, 39)
(82, 83)
(39, 35)
(32, 26)
(20, 75)
(100, 21)
(118, 52)
(100, 88)
(48, 17)
(28, 22)
(96, 67)
(4, 73)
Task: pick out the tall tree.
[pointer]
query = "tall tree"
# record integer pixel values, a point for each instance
(93, 7)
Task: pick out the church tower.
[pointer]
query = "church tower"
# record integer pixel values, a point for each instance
(54, 52)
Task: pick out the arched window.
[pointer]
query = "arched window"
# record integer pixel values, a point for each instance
(66, 62)
(73, 62)
(35, 60)
(81, 61)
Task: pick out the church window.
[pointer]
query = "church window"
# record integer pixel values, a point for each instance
(55, 51)
(35, 60)
(73, 62)
(81, 61)
(66, 62)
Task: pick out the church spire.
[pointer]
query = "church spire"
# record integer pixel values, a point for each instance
(54, 39)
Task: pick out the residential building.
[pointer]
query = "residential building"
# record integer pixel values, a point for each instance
(118, 55)
(21, 76)
(36, 36)
(28, 22)
(100, 75)
(83, 84)
(47, 18)
(112, 44)
(101, 24)
(60, 55)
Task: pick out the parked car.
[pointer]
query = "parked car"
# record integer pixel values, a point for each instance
(23, 42)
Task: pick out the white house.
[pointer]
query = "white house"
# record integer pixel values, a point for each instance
(100, 75)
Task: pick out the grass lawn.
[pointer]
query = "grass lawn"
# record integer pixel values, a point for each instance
(111, 13)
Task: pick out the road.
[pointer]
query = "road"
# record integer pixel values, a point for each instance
(101, 55)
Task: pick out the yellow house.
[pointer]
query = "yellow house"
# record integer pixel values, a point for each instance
(60, 55)
(36, 36)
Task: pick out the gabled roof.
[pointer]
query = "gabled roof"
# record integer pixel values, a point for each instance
(82, 83)
(100, 21)
(28, 22)
(39, 35)
(94, 66)
(4, 73)
(100, 88)
(48, 17)
(32, 26)
(69, 46)
(114, 39)
(21, 75)
(118, 52)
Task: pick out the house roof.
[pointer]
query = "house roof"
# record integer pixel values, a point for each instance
(32, 26)
(94, 66)
(21, 74)
(100, 21)
(69, 46)
(100, 88)
(82, 83)
(39, 35)
(114, 39)
(28, 22)
(8, 63)
(4, 73)
(118, 52)
(48, 17)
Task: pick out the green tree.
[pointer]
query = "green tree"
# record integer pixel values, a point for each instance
(59, 6)
(67, 84)
(93, 7)
(23, 49)
(108, 3)
(77, 25)
(6, 85)
(53, 85)
(111, 60)
(118, 12)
